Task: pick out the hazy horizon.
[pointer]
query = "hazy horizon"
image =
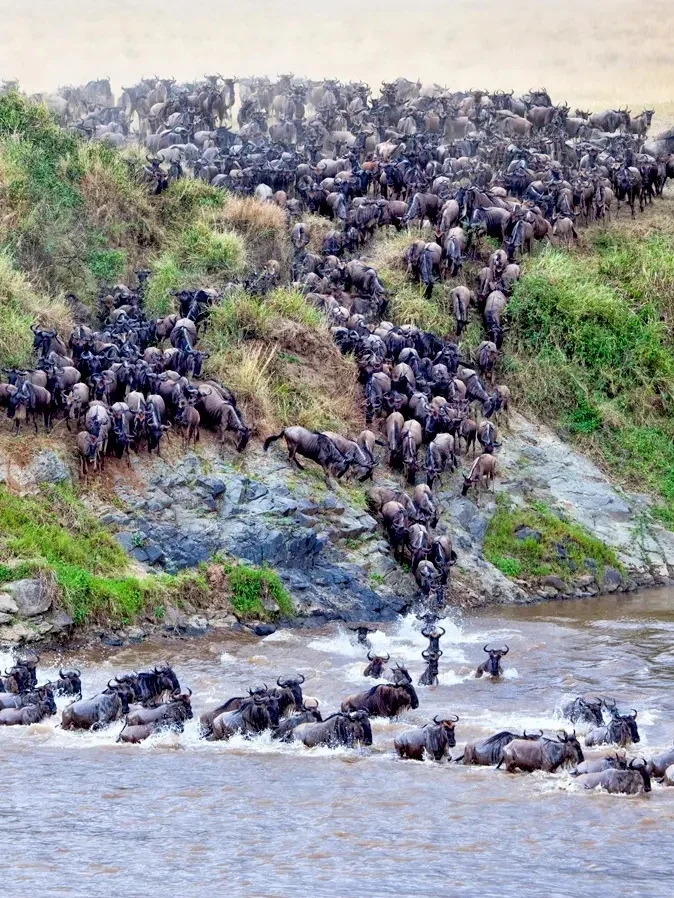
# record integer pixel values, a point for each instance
(583, 53)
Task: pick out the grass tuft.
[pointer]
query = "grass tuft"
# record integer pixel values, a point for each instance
(562, 550)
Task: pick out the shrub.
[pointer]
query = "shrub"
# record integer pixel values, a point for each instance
(258, 593)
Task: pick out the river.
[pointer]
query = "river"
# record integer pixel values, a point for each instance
(177, 817)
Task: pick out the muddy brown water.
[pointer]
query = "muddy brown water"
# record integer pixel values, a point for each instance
(178, 817)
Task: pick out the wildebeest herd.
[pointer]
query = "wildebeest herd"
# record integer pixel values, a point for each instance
(152, 701)
(461, 166)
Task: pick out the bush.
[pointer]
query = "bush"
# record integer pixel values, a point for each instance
(208, 252)
(254, 588)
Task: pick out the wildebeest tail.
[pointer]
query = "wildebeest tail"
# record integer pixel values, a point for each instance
(270, 440)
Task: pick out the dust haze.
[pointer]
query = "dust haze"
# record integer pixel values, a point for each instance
(593, 53)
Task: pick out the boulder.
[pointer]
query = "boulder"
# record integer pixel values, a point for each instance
(556, 582)
(31, 597)
(7, 604)
(524, 532)
(611, 579)
(48, 467)
(62, 623)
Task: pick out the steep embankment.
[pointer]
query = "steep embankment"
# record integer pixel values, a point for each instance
(588, 352)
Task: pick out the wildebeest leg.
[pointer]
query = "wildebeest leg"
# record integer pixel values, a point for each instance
(479, 672)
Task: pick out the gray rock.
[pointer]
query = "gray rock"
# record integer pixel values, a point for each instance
(260, 628)
(154, 553)
(610, 580)
(215, 485)
(7, 604)
(5, 618)
(62, 623)
(195, 626)
(48, 467)
(134, 635)
(111, 640)
(584, 581)
(528, 533)
(556, 582)
(16, 633)
(30, 596)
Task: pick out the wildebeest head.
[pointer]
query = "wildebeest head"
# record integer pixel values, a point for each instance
(621, 724)
(401, 675)
(42, 339)
(293, 687)
(167, 681)
(71, 680)
(447, 724)
(376, 665)
(361, 728)
(572, 750)
(494, 662)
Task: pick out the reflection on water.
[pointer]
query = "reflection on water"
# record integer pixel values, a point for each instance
(175, 816)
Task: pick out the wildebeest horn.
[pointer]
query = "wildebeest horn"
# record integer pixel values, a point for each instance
(369, 658)
(387, 657)
(61, 674)
(302, 680)
(486, 648)
(540, 733)
(189, 692)
(507, 649)
(424, 654)
(315, 706)
(633, 715)
(279, 683)
(112, 683)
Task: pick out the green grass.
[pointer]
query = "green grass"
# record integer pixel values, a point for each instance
(250, 587)
(562, 550)
(53, 532)
(591, 349)
(107, 265)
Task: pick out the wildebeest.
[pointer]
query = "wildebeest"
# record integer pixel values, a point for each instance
(584, 709)
(376, 666)
(151, 684)
(431, 741)
(616, 761)
(659, 763)
(489, 752)
(308, 713)
(99, 711)
(631, 781)
(429, 677)
(482, 473)
(144, 722)
(620, 730)
(255, 714)
(492, 665)
(288, 694)
(69, 683)
(542, 754)
(342, 728)
(26, 715)
(383, 700)
(314, 446)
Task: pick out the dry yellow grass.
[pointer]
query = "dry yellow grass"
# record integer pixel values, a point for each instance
(262, 225)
